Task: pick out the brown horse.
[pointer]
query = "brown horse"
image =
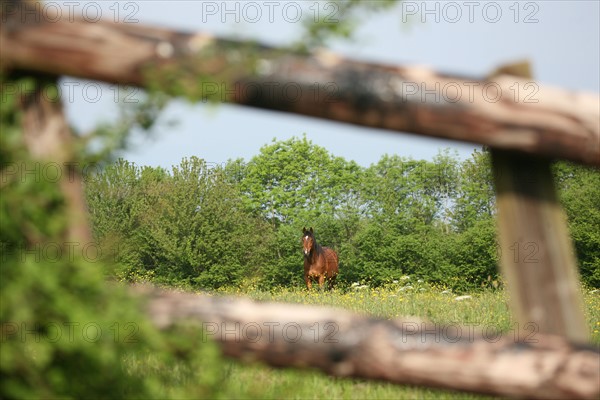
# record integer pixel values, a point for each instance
(319, 262)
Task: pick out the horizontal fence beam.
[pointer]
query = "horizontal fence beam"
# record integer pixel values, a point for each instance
(503, 112)
(409, 351)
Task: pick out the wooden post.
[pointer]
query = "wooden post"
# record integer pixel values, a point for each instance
(538, 258)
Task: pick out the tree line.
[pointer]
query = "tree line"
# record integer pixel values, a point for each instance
(203, 225)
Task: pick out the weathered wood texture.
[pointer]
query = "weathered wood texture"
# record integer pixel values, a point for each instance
(341, 343)
(502, 112)
(538, 257)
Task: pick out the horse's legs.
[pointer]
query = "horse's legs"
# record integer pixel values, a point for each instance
(308, 282)
(321, 280)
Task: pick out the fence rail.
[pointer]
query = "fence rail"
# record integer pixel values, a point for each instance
(502, 111)
(405, 351)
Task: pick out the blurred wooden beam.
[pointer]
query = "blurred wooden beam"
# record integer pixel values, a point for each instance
(341, 343)
(503, 112)
(538, 256)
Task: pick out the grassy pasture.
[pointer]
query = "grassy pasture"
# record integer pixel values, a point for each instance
(487, 309)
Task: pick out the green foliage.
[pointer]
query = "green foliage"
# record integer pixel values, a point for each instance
(284, 267)
(200, 227)
(475, 198)
(410, 193)
(579, 192)
(324, 22)
(475, 255)
(66, 332)
(294, 180)
(184, 228)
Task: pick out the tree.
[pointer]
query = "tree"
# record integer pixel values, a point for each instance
(187, 227)
(579, 193)
(294, 179)
(117, 197)
(410, 193)
(294, 183)
(475, 199)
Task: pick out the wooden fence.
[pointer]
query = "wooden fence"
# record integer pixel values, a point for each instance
(525, 131)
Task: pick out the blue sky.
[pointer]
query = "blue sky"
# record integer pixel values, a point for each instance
(560, 38)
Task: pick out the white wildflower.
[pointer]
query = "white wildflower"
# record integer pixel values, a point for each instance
(461, 298)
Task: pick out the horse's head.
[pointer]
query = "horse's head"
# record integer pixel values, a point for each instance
(308, 241)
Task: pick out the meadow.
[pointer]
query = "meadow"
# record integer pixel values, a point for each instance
(486, 309)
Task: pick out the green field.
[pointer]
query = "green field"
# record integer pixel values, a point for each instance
(486, 309)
